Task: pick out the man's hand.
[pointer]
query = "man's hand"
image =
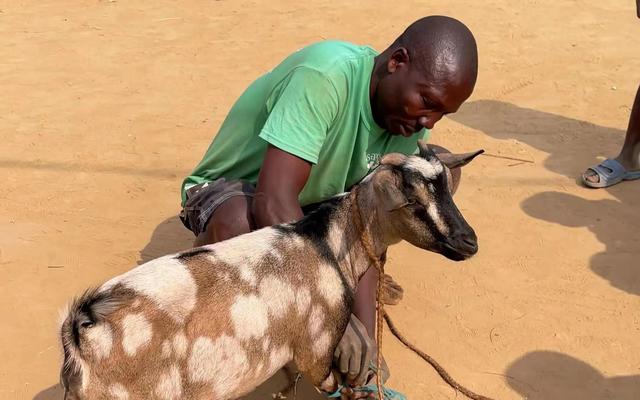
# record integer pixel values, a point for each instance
(355, 352)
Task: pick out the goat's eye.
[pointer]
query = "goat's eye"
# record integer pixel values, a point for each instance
(410, 201)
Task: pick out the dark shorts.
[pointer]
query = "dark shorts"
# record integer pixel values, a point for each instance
(203, 200)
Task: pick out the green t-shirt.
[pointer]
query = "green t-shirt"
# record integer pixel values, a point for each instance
(314, 105)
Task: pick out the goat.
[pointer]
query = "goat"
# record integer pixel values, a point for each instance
(216, 321)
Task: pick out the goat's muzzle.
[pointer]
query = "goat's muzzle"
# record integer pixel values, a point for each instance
(460, 246)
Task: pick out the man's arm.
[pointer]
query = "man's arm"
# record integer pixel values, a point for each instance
(282, 178)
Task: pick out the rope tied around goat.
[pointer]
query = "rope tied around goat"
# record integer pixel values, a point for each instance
(380, 315)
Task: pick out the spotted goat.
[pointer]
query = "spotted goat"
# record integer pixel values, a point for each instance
(216, 321)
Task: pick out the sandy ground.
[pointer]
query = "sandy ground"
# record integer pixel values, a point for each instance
(106, 105)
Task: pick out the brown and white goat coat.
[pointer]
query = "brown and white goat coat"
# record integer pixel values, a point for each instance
(216, 321)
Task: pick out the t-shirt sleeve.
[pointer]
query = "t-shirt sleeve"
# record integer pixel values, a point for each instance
(303, 108)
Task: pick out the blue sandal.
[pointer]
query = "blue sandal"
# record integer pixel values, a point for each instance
(610, 172)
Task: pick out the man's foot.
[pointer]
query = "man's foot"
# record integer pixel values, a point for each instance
(392, 292)
(610, 172)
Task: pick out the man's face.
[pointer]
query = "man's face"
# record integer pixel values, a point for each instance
(409, 98)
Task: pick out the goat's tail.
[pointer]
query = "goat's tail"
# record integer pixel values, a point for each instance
(83, 313)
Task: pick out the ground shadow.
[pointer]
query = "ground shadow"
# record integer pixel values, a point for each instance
(562, 138)
(54, 392)
(170, 236)
(614, 222)
(267, 391)
(548, 375)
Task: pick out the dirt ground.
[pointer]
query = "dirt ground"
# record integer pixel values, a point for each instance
(106, 105)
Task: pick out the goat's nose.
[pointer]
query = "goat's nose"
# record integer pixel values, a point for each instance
(468, 241)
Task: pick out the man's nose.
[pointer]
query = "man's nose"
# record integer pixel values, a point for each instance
(430, 120)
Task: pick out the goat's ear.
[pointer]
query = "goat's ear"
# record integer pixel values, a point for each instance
(395, 159)
(457, 160)
(388, 186)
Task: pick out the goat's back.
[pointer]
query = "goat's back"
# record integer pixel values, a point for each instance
(218, 320)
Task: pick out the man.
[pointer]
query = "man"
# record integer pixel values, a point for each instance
(317, 124)
(626, 166)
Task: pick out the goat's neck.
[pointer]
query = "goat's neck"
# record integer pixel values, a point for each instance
(352, 256)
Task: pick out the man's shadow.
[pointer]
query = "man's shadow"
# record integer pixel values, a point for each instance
(548, 375)
(572, 146)
(170, 236)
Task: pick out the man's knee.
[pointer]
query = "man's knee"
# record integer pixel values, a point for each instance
(230, 219)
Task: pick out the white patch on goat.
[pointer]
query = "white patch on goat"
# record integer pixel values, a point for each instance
(166, 281)
(222, 362)
(321, 344)
(170, 384)
(100, 338)
(265, 343)
(316, 320)
(296, 241)
(431, 188)
(118, 391)
(249, 316)
(180, 345)
(278, 358)
(166, 349)
(277, 294)
(136, 332)
(245, 251)
(434, 214)
(329, 284)
(303, 300)
(429, 170)
(277, 256)
(335, 238)
(86, 374)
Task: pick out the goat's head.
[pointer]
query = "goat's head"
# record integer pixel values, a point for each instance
(415, 203)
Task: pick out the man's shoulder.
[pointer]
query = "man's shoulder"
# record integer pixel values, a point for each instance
(330, 55)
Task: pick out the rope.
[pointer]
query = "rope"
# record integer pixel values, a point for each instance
(366, 243)
(439, 369)
(380, 314)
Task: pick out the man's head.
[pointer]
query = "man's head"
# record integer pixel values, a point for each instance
(428, 72)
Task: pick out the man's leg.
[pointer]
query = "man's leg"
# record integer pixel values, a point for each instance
(629, 156)
(230, 219)
(218, 210)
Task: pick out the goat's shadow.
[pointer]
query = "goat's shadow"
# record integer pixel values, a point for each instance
(572, 146)
(548, 375)
(267, 391)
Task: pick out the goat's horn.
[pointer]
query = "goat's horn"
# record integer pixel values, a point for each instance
(423, 148)
(395, 159)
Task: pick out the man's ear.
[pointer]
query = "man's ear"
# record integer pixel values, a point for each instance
(400, 56)
(387, 185)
